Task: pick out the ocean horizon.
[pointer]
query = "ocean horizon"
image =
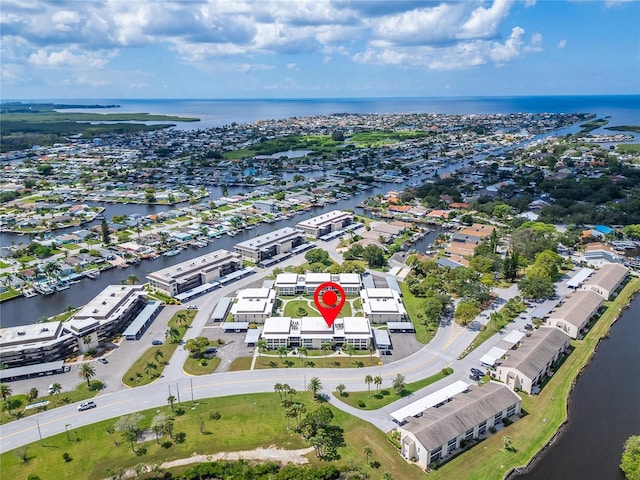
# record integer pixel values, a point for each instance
(624, 109)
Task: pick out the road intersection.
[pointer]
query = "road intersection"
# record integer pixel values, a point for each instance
(118, 400)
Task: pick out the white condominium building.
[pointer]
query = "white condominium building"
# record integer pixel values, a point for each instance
(192, 273)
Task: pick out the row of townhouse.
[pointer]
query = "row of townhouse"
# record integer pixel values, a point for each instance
(460, 417)
(525, 366)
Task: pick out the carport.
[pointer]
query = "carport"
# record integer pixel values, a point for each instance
(383, 342)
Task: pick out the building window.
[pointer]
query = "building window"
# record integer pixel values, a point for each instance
(511, 410)
(435, 456)
(468, 434)
(482, 428)
(497, 417)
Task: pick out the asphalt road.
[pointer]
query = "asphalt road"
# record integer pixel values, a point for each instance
(441, 352)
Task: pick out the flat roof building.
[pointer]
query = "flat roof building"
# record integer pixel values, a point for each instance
(320, 225)
(270, 244)
(35, 344)
(382, 305)
(313, 332)
(253, 305)
(192, 273)
(289, 284)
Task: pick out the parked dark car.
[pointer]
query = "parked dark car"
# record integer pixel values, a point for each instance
(528, 326)
(476, 372)
(156, 342)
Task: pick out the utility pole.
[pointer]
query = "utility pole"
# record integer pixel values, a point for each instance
(178, 393)
(191, 389)
(39, 432)
(66, 428)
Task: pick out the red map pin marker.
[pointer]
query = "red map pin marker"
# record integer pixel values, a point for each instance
(329, 298)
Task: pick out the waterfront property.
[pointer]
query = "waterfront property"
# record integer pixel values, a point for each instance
(100, 319)
(270, 244)
(192, 273)
(435, 434)
(288, 284)
(382, 305)
(607, 279)
(313, 332)
(35, 344)
(525, 367)
(320, 225)
(574, 314)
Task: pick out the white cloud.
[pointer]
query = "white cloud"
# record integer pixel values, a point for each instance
(66, 58)
(291, 66)
(561, 44)
(484, 22)
(535, 45)
(510, 50)
(615, 3)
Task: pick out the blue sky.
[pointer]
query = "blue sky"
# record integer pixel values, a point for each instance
(317, 48)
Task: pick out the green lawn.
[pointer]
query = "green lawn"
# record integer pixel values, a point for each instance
(246, 422)
(343, 361)
(424, 333)
(71, 246)
(546, 411)
(4, 264)
(193, 366)
(240, 363)
(385, 396)
(292, 306)
(9, 294)
(138, 374)
(81, 392)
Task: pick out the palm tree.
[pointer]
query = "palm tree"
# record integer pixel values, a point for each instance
(341, 388)
(367, 451)
(315, 386)
(173, 333)
(350, 350)
(378, 381)
(399, 383)
(302, 351)
(168, 424)
(132, 279)
(372, 348)
(387, 476)
(5, 391)
(87, 372)
(326, 346)
(278, 387)
(282, 351)
(181, 318)
(56, 388)
(171, 400)
(158, 354)
(262, 347)
(149, 367)
(368, 380)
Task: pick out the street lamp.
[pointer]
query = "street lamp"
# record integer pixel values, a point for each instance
(66, 428)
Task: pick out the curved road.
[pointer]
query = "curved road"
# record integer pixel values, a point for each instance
(441, 352)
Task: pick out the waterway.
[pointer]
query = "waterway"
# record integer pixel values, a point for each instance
(604, 410)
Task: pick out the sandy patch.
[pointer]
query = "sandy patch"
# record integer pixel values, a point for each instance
(260, 454)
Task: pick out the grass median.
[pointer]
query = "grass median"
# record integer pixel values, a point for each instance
(150, 365)
(546, 412)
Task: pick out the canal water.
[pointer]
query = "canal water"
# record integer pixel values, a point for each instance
(604, 410)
